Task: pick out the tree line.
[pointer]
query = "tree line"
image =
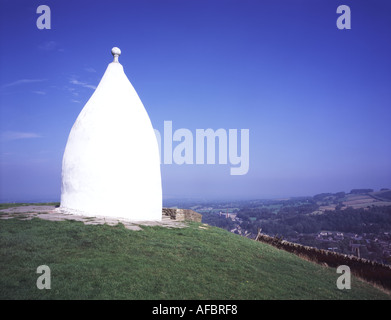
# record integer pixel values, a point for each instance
(291, 220)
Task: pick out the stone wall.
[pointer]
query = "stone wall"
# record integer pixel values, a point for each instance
(182, 214)
(371, 271)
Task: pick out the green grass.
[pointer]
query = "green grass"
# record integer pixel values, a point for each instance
(105, 262)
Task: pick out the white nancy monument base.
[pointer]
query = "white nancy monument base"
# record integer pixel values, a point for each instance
(111, 164)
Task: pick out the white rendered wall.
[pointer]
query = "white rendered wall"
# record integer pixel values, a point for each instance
(111, 164)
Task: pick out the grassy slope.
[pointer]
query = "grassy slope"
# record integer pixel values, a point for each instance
(103, 262)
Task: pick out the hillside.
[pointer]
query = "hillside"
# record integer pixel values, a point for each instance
(356, 223)
(195, 262)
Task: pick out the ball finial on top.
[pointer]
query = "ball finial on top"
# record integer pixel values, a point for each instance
(116, 52)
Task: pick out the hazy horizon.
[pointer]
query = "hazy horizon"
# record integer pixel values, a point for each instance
(201, 198)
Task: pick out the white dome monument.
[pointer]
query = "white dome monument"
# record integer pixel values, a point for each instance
(111, 163)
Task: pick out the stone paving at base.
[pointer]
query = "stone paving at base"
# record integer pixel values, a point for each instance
(54, 214)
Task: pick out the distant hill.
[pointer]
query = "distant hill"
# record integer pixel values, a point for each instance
(357, 198)
(360, 191)
(197, 262)
(384, 195)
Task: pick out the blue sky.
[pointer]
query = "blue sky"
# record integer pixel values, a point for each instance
(316, 99)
